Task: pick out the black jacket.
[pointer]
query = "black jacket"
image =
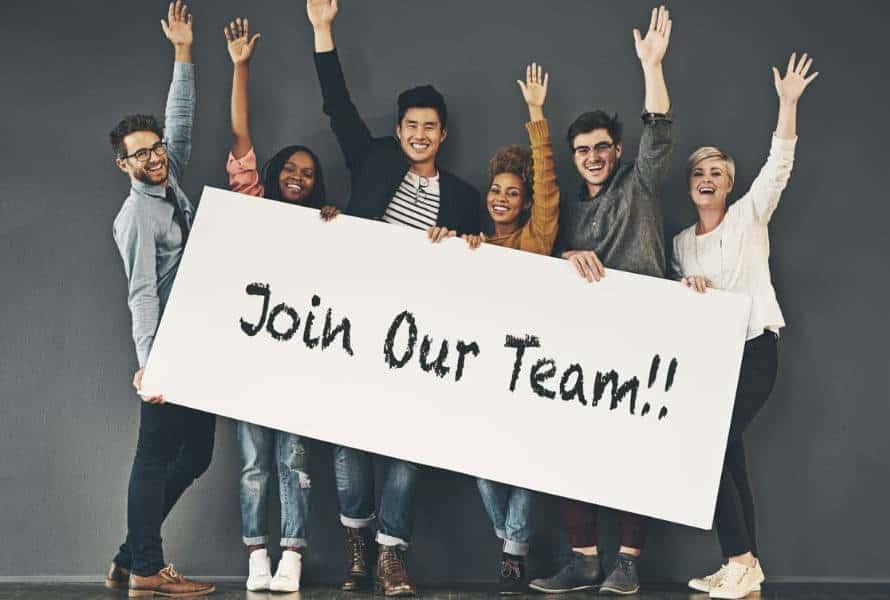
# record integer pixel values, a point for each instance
(378, 165)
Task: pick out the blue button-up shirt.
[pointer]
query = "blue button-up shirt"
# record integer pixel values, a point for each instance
(146, 231)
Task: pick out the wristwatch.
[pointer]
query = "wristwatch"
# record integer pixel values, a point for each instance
(650, 117)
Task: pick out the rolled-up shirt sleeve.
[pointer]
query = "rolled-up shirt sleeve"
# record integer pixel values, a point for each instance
(243, 174)
(135, 238)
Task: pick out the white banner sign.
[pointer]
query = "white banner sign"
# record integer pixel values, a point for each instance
(497, 363)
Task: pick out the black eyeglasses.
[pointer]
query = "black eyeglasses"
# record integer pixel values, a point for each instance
(585, 151)
(143, 155)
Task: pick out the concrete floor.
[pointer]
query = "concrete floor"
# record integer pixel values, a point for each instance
(235, 591)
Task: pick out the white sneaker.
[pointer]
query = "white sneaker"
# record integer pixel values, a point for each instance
(738, 581)
(708, 582)
(287, 576)
(259, 571)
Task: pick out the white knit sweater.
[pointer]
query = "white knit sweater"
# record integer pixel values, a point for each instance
(735, 256)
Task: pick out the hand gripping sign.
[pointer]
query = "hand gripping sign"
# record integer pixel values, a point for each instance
(367, 335)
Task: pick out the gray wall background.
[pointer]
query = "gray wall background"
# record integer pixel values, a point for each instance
(68, 415)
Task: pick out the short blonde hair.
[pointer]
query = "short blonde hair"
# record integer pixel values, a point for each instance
(706, 152)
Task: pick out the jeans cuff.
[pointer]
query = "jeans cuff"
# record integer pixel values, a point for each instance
(515, 548)
(357, 523)
(255, 541)
(293, 541)
(502, 535)
(389, 540)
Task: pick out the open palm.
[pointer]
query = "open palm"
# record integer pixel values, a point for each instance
(791, 87)
(534, 89)
(178, 27)
(321, 12)
(652, 48)
(240, 43)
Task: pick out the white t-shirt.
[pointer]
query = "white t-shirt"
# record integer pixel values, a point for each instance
(735, 256)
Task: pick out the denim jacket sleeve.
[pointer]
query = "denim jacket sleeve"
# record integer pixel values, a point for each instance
(135, 237)
(179, 116)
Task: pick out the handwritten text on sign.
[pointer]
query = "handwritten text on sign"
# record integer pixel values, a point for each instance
(365, 334)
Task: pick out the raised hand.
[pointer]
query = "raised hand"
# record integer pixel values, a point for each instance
(534, 89)
(321, 12)
(240, 43)
(791, 87)
(652, 48)
(178, 26)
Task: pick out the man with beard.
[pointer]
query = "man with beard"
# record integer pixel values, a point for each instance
(397, 180)
(175, 443)
(616, 222)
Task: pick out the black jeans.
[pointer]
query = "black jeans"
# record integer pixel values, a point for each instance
(174, 448)
(735, 502)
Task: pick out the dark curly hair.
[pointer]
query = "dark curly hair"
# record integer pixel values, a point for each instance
(516, 160)
(130, 124)
(272, 170)
(591, 121)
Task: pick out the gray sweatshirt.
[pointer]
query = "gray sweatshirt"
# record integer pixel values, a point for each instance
(623, 223)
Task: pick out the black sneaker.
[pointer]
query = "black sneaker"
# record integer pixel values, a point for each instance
(511, 577)
(623, 580)
(581, 573)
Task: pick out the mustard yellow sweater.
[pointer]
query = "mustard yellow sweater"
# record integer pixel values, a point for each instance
(539, 233)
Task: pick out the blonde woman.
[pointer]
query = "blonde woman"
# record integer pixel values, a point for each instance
(728, 249)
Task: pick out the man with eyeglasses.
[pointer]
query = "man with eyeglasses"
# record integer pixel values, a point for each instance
(175, 443)
(616, 222)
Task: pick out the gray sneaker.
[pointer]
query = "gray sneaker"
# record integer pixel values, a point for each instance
(581, 573)
(623, 579)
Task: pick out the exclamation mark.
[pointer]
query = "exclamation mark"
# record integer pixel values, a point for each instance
(672, 372)
(653, 374)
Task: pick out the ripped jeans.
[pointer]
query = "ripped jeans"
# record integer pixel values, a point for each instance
(264, 452)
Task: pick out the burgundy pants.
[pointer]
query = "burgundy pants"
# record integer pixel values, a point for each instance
(580, 519)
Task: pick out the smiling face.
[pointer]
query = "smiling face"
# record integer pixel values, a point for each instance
(505, 201)
(420, 133)
(596, 156)
(297, 178)
(154, 170)
(710, 183)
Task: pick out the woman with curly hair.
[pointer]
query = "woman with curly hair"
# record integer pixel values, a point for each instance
(523, 207)
(292, 175)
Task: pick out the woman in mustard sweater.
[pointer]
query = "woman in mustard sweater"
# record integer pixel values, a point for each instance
(523, 204)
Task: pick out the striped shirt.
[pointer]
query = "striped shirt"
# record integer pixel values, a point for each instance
(416, 202)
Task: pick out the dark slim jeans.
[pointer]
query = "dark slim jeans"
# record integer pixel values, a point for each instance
(175, 446)
(581, 518)
(735, 502)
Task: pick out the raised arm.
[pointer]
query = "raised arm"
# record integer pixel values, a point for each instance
(651, 51)
(179, 114)
(543, 224)
(350, 130)
(656, 140)
(767, 187)
(240, 45)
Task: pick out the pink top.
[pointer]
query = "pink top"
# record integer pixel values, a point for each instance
(243, 176)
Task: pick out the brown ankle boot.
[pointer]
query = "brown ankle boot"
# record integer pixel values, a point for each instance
(392, 575)
(117, 578)
(358, 573)
(167, 582)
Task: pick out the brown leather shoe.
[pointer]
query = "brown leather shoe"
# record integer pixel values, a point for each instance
(117, 578)
(167, 582)
(392, 576)
(358, 575)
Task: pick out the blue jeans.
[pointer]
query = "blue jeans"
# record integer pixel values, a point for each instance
(508, 508)
(354, 473)
(263, 453)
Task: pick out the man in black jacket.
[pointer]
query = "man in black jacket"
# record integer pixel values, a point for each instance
(397, 180)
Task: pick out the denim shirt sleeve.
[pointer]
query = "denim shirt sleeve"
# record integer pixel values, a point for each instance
(654, 154)
(135, 237)
(179, 116)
